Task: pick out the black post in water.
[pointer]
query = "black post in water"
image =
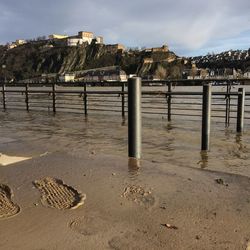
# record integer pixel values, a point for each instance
(54, 97)
(228, 104)
(4, 99)
(169, 100)
(85, 99)
(134, 117)
(123, 99)
(206, 116)
(240, 110)
(27, 97)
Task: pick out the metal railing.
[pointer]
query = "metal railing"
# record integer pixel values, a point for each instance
(159, 98)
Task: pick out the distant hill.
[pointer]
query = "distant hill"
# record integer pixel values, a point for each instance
(35, 58)
(43, 57)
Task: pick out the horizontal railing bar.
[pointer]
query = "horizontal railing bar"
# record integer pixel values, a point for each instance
(97, 100)
(79, 108)
(174, 108)
(45, 103)
(182, 93)
(155, 108)
(69, 104)
(151, 113)
(186, 103)
(42, 106)
(16, 108)
(112, 110)
(177, 114)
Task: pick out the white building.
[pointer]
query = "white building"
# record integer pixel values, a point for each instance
(99, 39)
(57, 36)
(247, 74)
(20, 42)
(68, 77)
(72, 41)
(83, 37)
(86, 36)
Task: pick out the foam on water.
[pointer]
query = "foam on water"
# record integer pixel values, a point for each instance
(6, 160)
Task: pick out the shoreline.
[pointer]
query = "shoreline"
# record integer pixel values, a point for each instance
(171, 202)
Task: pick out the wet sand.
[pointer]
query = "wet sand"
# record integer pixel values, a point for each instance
(163, 205)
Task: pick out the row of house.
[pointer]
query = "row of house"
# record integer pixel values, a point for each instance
(231, 73)
(104, 74)
(109, 74)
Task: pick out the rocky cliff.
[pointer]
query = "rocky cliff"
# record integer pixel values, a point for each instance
(43, 57)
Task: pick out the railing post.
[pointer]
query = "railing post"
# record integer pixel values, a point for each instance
(240, 110)
(4, 99)
(123, 99)
(134, 118)
(27, 97)
(54, 97)
(228, 104)
(206, 116)
(169, 100)
(85, 99)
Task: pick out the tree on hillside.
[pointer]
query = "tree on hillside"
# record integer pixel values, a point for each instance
(160, 72)
(193, 71)
(204, 73)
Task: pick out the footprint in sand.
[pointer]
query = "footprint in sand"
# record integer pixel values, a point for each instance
(89, 225)
(56, 194)
(138, 195)
(7, 207)
(128, 240)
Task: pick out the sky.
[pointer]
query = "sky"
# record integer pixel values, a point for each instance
(188, 27)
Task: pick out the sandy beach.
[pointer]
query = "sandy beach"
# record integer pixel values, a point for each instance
(162, 205)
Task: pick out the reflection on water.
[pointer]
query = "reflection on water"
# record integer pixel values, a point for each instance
(238, 140)
(204, 159)
(123, 121)
(169, 126)
(134, 167)
(176, 142)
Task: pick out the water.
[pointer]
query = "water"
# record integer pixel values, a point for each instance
(176, 143)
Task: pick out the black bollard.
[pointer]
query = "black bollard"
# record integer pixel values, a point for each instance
(240, 110)
(206, 116)
(134, 117)
(54, 97)
(27, 96)
(4, 99)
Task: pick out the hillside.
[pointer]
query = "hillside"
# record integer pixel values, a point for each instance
(238, 59)
(47, 56)
(42, 57)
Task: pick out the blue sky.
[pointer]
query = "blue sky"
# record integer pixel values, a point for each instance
(189, 27)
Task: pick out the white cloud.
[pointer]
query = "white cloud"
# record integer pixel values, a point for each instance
(187, 26)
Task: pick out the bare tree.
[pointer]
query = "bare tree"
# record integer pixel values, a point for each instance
(204, 73)
(193, 71)
(160, 72)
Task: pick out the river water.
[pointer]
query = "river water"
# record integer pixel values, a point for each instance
(176, 142)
